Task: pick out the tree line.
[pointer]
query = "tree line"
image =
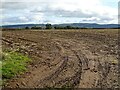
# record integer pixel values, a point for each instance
(49, 26)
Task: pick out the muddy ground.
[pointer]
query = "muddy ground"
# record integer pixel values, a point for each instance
(72, 58)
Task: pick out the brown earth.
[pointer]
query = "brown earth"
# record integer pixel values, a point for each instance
(71, 58)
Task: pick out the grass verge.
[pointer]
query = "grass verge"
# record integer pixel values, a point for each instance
(13, 63)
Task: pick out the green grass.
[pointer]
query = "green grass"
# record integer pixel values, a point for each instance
(13, 63)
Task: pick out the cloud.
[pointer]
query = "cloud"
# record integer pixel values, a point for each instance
(13, 5)
(58, 11)
(14, 20)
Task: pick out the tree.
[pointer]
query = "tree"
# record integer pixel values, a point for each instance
(35, 27)
(58, 27)
(48, 26)
(27, 28)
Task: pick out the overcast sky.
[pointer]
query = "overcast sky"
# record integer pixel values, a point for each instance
(59, 11)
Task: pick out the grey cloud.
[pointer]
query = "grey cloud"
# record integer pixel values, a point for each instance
(71, 14)
(21, 5)
(14, 20)
(13, 5)
(64, 13)
(18, 9)
(99, 20)
(119, 4)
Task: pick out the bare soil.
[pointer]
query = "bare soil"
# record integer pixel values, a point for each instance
(71, 58)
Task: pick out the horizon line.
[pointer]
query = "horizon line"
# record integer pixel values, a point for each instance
(55, 24)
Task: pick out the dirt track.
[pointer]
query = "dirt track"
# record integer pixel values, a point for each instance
(81, 59)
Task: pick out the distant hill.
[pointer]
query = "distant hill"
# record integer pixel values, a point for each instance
(80, 25)
(90, 25)
(22, 25)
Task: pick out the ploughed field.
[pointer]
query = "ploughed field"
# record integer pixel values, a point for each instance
(66, 58)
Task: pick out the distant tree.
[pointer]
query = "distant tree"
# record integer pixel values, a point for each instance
(27, 28)
(48, 26)
(36, 27)
(66, 27)
(77, 28)
(32, 27)
(55, 27)
(58, 27)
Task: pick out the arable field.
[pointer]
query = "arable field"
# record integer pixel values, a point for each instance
(65, 58)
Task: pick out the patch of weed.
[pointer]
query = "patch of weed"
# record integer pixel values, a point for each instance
(13, 63)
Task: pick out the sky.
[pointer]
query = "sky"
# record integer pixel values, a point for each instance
(58, 11)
